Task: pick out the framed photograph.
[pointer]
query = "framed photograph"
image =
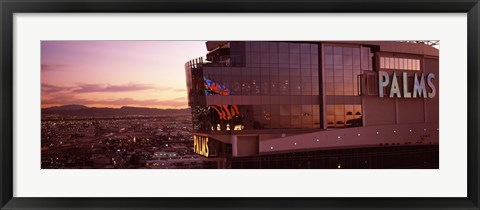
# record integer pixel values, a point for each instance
(239, 105)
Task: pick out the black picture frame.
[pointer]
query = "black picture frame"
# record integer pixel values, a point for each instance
(10, 7)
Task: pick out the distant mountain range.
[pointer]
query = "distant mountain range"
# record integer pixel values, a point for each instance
(80, 110)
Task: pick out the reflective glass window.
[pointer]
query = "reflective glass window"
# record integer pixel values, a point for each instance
(273, 47)
(399, 63)
(283, 47)
(296, 121)
(264, 47)
(338, 60)
(328, 50)
(294, 59)
(314, 49)
(285, 74)
(294, 48)
(337, 50)
(305, 59)
(283, 58)
(341, 80)
(255, 46)
(305, 48)
(296, 109)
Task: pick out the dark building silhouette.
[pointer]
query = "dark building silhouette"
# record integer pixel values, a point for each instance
(312, 104)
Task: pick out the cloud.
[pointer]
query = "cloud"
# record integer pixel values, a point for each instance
(90, 88)
(47, 88)
(149, 102)
(68, 99)
(179, 90)
(54, 67)
(57, 95)
(180, 99)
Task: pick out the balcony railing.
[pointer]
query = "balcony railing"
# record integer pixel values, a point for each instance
(194, 63)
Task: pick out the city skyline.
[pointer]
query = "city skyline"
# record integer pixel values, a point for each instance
(116, 73)
(251, 105)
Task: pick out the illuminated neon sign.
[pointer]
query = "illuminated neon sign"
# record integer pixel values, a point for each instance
(213, 88)
(225, 112)
(200, 145)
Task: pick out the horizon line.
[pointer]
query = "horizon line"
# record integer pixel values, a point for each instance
(110, 107)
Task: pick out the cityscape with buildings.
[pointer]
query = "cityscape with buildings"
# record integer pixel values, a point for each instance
(120, 142)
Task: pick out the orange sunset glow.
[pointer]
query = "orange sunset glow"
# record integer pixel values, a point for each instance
(116, 73)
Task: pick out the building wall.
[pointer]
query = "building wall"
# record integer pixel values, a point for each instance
(318, 86)
(247, 146)
(432, 105)
(399, 109)
(271, 85)
(411, 110)
(366, 136)
(379, 111)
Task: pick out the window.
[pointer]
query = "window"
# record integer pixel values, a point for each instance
(400, 63)
(341, 77)
(285, 74)
(342, 67)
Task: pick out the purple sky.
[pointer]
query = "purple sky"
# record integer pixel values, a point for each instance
(117, 73)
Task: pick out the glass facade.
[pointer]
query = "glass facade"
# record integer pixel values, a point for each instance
(276, 85)
(259, 85)
(342, 66)
(399, 63)
(254, 86)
